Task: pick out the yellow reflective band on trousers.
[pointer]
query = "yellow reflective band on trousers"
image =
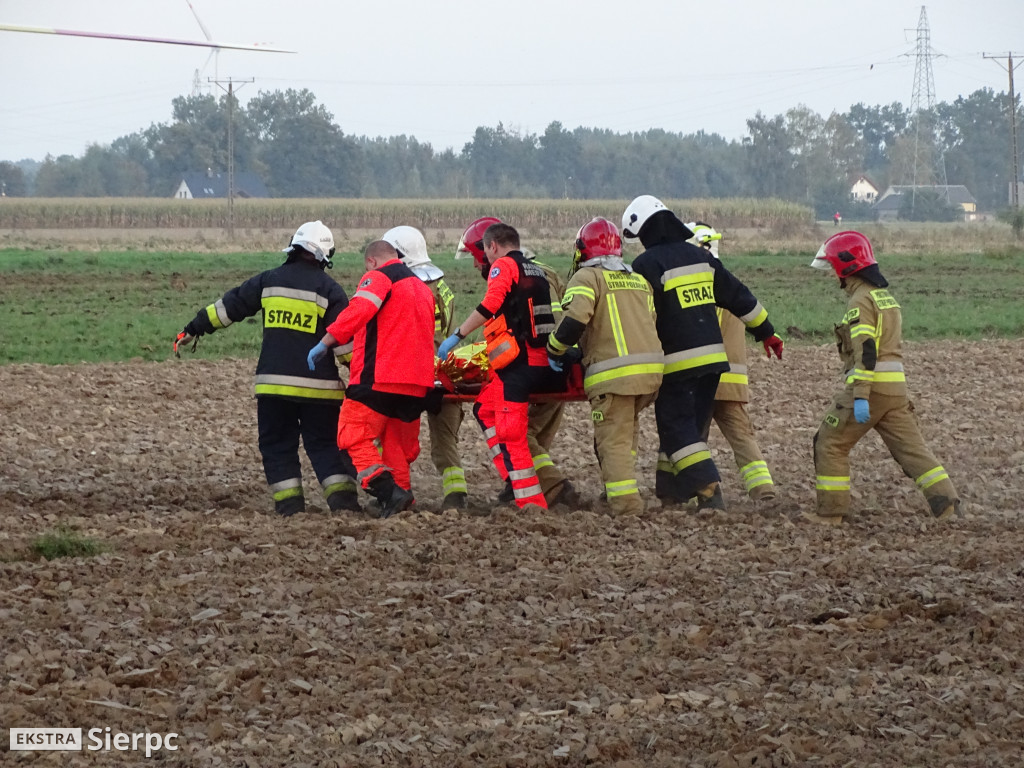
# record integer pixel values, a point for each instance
(542, 460)
(453, 480)
(286, 489)
(754, 474)
(613, 317)
(832, 483)
(931, 477)
(694, 453)
(336, 483)
(695, 358)
(620, 488)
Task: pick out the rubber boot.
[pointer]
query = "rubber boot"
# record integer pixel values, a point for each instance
(290, 506)
(710, 497)
(454, 500)
(563, 493)
(392, 497)
(343, 501)
(507, 494)
(944, 509)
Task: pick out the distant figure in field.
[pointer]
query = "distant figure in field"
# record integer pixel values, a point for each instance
(837, 218)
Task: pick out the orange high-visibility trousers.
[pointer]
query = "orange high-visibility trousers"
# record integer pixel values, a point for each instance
(505, 425)
(359, 426)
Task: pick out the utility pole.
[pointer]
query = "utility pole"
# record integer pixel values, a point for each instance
(1014, 187)
(231, 148)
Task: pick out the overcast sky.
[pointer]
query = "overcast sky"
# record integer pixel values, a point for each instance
(437, 70)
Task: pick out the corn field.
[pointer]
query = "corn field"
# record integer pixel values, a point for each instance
(534, 215)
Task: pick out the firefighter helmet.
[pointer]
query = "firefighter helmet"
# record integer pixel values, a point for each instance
(598, 237)
(846, 252)
(472, 241)
(705, 236)
(316, 238)
(410, 244)
(637, 213)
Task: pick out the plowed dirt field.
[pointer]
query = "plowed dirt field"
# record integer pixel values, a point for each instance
(744, 638)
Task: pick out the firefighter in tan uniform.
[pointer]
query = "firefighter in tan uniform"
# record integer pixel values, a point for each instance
(444, 424)
(875, 391)
(609, 311)
(733, 393)
(544, 418)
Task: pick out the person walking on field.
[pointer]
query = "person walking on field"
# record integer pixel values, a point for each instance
(733, 393)
(519, 316)
(444, 425)
(874, 395)
(543, 418)
(688, 284)
(391, 319)
(609, 311)
(298, 300)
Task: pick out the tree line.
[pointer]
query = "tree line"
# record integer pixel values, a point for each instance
(299, 150)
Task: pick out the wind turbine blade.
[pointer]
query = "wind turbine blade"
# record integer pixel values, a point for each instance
(142, 39)
(206, 32)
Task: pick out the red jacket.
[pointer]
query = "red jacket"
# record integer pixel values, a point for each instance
(391, 318)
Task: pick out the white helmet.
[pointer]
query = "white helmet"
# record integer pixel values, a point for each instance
(410, 244)
(638, 212)
(316, 238)
(705, 236)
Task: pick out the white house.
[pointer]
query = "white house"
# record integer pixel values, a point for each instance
(863, 191)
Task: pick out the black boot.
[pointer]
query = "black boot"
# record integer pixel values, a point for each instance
(343, 501)
(290, 506)
(507, 493)
(392, 497)
(454, 500)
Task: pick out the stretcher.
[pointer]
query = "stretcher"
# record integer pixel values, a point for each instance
(463, 375)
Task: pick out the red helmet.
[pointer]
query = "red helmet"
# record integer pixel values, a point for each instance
(472, 240)
(598, 237)
(846, 252)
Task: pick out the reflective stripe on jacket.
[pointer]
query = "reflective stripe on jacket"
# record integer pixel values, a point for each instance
(870, 341)
(610, 313)
(689, 283)
(298, 301)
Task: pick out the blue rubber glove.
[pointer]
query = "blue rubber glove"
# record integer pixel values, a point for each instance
(448, 345)
(315, 354)
(861, 410)
(556, 364)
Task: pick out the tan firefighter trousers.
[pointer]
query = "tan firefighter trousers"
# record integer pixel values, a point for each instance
(616, 431)
(444, 447)
(893, 418)
(734, 422)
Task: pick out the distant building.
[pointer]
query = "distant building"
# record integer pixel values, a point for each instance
(888, 206)
(863, 190)
(200, 184)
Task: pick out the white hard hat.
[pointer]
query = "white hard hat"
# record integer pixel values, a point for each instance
(638, 212)
(705, 236)
(410, 244)
(316, 238)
